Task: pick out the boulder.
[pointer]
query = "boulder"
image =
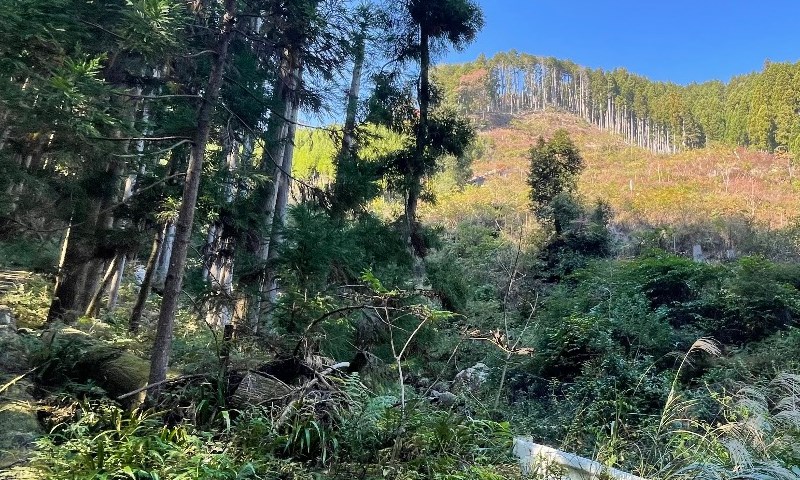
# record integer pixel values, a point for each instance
(471, 378)
(445, 399)
(8, 324)
(76, 355)
(13, 353)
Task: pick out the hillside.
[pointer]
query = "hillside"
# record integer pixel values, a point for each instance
(642, 187)
(757, 110)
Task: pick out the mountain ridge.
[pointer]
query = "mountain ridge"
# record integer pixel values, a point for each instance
(758, 110)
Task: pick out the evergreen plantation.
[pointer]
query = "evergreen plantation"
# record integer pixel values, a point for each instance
(200, 279)
(758, 110)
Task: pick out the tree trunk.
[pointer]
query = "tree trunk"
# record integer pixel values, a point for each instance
(67, 303)
(159, 359)
(113, 292)
(164, 255)
(147, 282)
(130, 186)
(92, 309)
(285, 187)
(267, 196)
(348, 151)
(348, 142)
(414, 191)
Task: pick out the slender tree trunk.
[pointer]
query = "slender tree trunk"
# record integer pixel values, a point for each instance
(116, 281)
(348, 151)
(147, 282)
(415, 189)
(281, 203)
(159, 359)
(94, 304)
(164, 255)
(267, 196)
(348, 142)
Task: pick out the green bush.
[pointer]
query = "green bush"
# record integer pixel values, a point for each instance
(102, 441)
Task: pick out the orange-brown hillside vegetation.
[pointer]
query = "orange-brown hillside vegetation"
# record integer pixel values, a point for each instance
(708, 184)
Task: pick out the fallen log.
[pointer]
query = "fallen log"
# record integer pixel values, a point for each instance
(77, 356)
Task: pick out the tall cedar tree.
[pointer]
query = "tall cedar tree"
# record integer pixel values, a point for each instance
(437, 22)
(159, 358)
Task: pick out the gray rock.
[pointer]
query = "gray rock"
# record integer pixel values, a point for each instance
(13, 354)
(446, 399)
(441, 386)
(471, 378)
(7, 318)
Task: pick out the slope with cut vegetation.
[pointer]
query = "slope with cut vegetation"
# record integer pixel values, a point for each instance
(718, 189)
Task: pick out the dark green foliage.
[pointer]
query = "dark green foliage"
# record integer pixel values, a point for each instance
(780, 352)
(390, 104)
(735, 303)
(448, 134)
(580, 235)
(457, 21)
(662, 302)
(320, 251)
(555, 165)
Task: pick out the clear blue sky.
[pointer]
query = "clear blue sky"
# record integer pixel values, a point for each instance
(671, 40)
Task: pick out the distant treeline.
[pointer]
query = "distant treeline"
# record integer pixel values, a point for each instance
(760, 110)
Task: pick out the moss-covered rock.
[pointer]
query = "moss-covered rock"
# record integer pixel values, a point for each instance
(19, 424)
(74, 355)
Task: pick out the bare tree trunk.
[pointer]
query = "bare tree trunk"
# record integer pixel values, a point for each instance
(267, 197)
(147, 282)
(159, 359)
(165, 254)
(116, 282)
(94, 304)
(348, 150)
(285, 187)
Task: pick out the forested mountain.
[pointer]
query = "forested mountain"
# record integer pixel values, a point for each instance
(759, 110)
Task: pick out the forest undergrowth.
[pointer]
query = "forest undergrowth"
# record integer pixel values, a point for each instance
(583, 350)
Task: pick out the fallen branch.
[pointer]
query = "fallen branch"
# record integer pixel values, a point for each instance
(17, 379)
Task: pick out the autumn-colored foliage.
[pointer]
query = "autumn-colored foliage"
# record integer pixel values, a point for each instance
(642, 187)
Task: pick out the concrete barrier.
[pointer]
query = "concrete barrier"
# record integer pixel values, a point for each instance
(550, 463)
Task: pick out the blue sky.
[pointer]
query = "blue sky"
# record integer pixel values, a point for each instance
(670, 40)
